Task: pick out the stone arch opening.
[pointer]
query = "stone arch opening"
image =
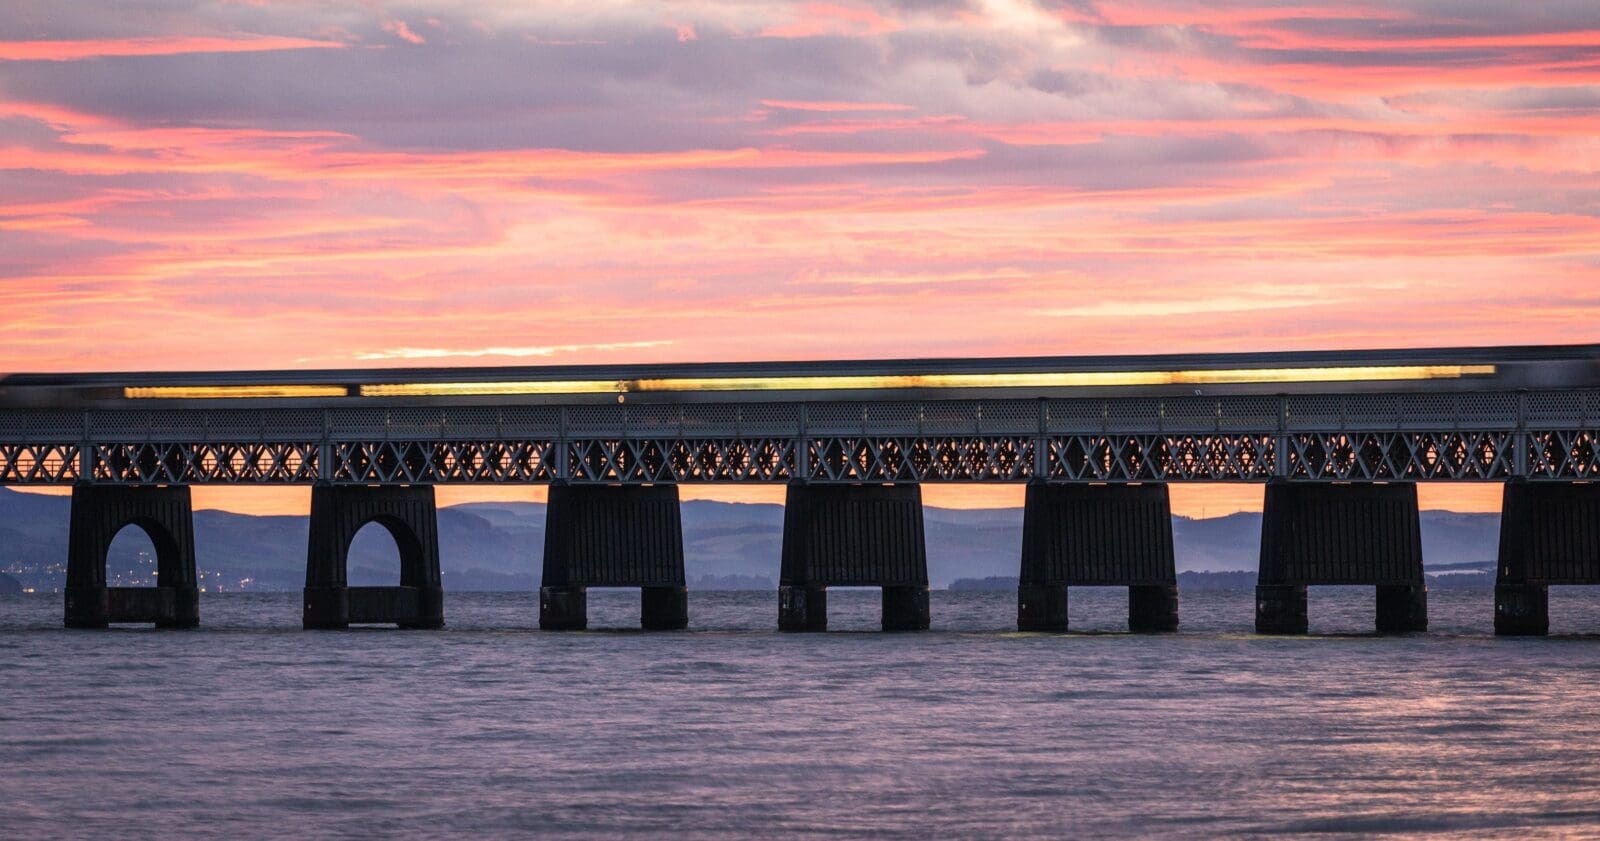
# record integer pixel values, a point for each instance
(132, 558)
(384, 551)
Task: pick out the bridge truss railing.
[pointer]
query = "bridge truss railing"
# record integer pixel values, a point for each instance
(1495, 436)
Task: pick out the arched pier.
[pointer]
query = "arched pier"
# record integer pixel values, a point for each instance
(166, 515)
(409, 515)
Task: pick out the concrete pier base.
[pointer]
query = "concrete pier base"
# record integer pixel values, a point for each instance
(663, 608)
(1152, 608)
(1358, 533)
(1521, 610)
(1281, 609)
(905, 608)
(563, 608)
(853, 536)
(325, 608)
(802, 608)
(613, 536)
(1076, 535)
(1402, 608)
(1042, 607)
(1549, 534)
(99, 512)
(408, 513)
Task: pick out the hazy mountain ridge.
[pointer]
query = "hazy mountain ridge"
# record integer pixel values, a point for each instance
(500, 545)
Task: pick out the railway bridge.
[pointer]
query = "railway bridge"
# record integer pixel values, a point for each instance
(1339, 440)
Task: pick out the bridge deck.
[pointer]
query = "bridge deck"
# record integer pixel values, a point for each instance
(1471, 414)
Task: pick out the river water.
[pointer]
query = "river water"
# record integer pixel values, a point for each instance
(251, 727)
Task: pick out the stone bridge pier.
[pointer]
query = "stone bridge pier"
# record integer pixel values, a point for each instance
(613, 536)
(853, 536)
(1549, 534)
(1357, 533)
(166, 515)
(1076, 535)
(409, 515)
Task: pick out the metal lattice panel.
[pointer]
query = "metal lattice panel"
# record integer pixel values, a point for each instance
(30, 426)
(1563, 454)
(920, 459)
(1075, 416)
(681, 460)
(439, 462)
(38, 464)
(156, 463)
(1247, 414)
(769, 419)
(1159, 458)
(1362, 456)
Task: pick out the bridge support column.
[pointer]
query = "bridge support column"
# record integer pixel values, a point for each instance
(1281, 609)
(1549, 534)
(850, 536)
(1041, 607)
(410, 516)
(166, 515)
(802, 608)
(1076, 535)
(1359, 533)
(613, 536)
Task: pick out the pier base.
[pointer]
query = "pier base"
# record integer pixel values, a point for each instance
(99, 512)
(1076, 535)
(905, 608)
(802, 608)
(1359, 533)
(1281, 609)
(1402, 608)
(853, 536)
(1152, 608)
(1521, 610)
(1549, 534)
(664, 608)
(1042, 607)
(409, 515)
(613, 536)
(563, 608)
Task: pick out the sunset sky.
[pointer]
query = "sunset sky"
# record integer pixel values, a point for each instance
(282, 185)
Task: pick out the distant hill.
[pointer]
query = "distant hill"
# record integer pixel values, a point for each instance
(500, 545)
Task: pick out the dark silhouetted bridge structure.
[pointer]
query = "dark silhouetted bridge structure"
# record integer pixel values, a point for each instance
(1340, 439)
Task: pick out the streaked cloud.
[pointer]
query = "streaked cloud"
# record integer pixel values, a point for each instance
(413, 353)
(479, 182)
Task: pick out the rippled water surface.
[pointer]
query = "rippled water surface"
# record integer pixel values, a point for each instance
(251, 727)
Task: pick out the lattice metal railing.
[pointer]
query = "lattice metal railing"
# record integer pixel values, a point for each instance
(171, 463)
(1563, 454)
(1381, 456)
(681, 460)
(1492, 436)
(38, 464)
(1160, 458)
(442, 462)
